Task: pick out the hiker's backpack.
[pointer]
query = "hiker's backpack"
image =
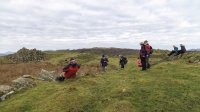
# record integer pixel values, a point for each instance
(104, 61)
(148, 48)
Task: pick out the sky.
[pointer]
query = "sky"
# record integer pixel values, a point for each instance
(73, 24)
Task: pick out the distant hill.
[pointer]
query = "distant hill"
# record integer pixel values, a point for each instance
(99, 51)
(197, 50)
(108, 51)
(6, 53)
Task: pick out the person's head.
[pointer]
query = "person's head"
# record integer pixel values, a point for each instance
(103, 55)
(174, 46)
(145, 42)
(138, 58)
(181, 45)
(72, 61)
(120, 56)
(141, 43)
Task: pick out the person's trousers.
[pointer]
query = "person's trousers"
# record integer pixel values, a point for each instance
(143, 61)
(172, 52)
(180, 52)
(122, 65)
(147, 61)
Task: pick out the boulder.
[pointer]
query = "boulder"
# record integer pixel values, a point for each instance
(25, 81)
(6, 95)
(192, 60)
(27, 76)
(5, 91)
(22, 82)
(47, 75)
(1, 93)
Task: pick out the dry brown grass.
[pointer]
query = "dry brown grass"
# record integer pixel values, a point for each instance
(9, 72)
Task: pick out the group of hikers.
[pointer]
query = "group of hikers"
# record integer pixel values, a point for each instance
(71, 69)
(176, 51)
(104, 61)
(143, 60)
(145, 53)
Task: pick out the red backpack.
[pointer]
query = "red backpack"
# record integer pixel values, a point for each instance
(148, 48)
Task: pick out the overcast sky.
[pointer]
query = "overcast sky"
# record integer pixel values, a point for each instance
(72, 24)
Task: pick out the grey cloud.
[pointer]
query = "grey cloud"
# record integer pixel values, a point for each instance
(92, 23)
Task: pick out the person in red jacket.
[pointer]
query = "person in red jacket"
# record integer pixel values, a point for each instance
(148, 49)
(71, 69)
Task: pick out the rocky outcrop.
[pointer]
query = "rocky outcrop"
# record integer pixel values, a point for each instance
(5, 91)
(25, 81)
(194, 60)
(47, 75)
(27, 55)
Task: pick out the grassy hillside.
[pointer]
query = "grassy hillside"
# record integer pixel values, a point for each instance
(171, 86)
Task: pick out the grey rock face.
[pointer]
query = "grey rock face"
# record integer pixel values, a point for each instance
(194, 60)
(5, 91)
(47, 75)
(21, 83)
(26, 81)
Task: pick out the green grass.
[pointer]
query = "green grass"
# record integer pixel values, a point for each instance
(3, 60)
(171, 86)
(59, 58)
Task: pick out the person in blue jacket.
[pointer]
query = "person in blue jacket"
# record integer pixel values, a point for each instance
(174, 51)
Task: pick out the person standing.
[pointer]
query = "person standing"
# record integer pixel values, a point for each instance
(122, 61)
(143, 55)
(148, 49)
(104, 62)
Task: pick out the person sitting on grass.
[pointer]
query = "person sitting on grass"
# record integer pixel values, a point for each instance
(182, 51)
(174, 51)
(70, 70)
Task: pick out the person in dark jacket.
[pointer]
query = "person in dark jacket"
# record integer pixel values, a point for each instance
(174, 51)
(104, 62)
(122, 61)
(71, 69)
(182, 51)
(143, 55)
